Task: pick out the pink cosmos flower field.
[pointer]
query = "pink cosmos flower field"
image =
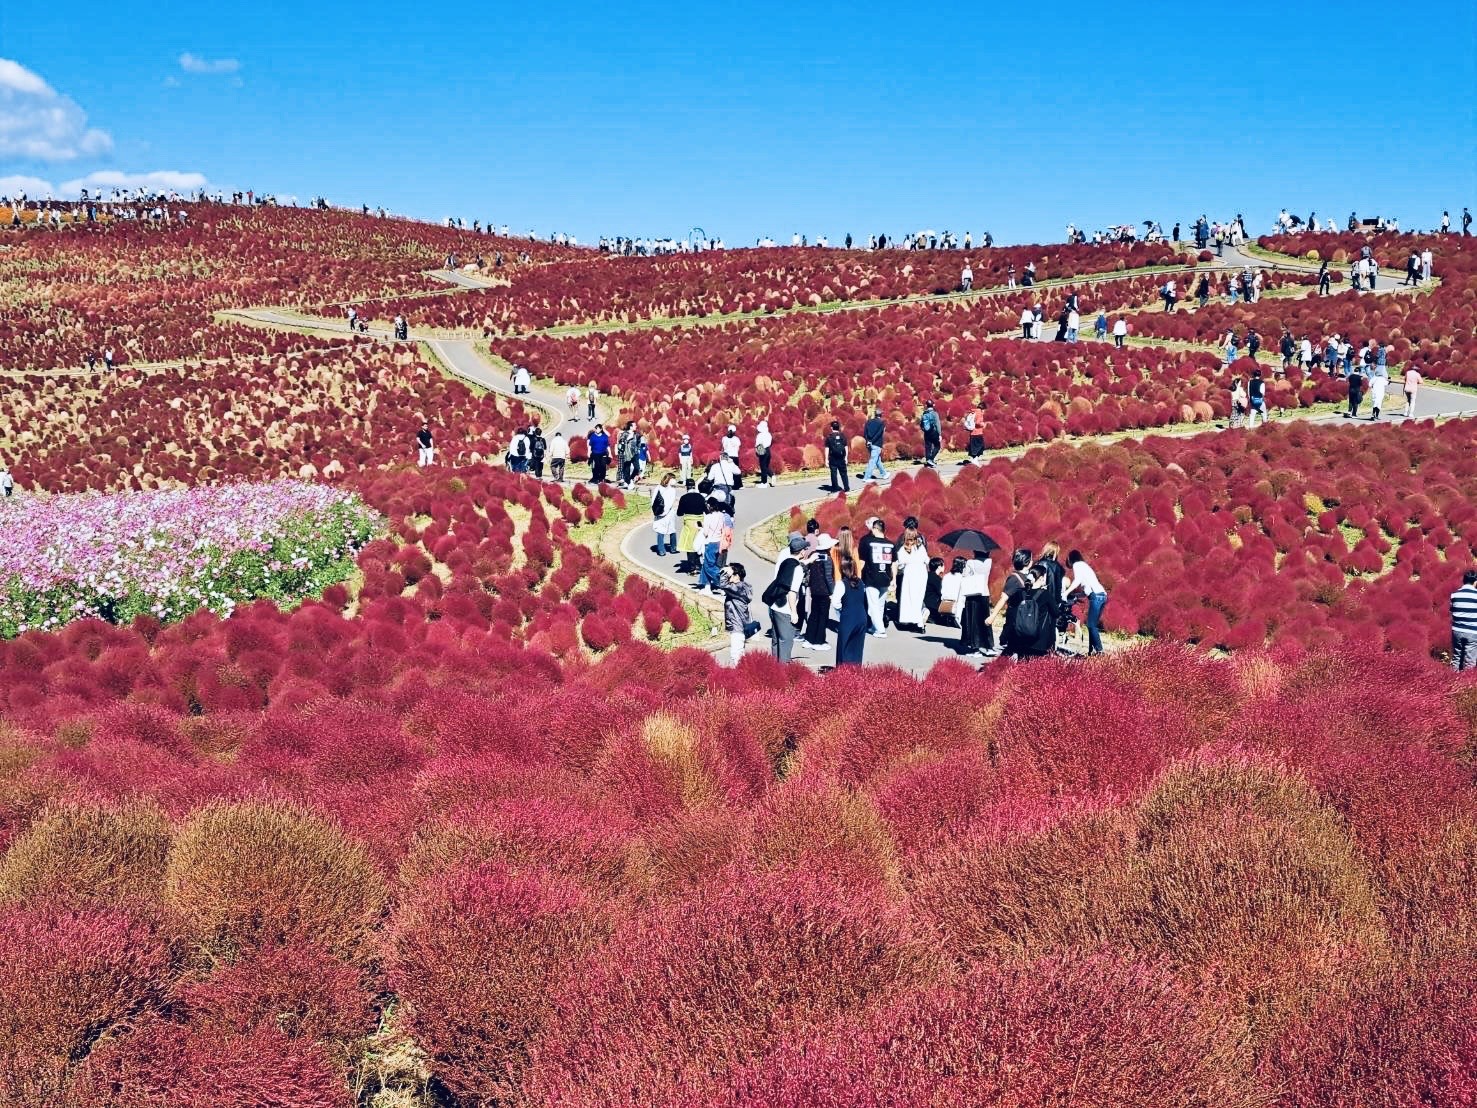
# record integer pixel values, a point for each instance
(168, 553)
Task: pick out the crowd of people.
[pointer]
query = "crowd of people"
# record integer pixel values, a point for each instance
(858, 588)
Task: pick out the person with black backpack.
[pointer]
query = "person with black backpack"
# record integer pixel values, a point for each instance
(537, 448)
(782, 598)
(1030, 621)
(836, 450)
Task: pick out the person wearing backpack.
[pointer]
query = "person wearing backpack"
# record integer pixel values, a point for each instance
(537, 448)
(782, 597)
(1030, 626)
(974, 423)
(836, 451)
(1049, 563)
(518, 452)
(820, 582)
(763, 441)
(932, 435)
(664, 512)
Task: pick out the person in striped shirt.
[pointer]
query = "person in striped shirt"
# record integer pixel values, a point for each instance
(1464, 623)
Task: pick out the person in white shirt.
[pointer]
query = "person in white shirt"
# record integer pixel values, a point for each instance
(731, 444)
(7, 483)
(572, 397)
(784, 613)
(1027, 318)
(966, 278)
(1073, 322)
(521, 381)
(1120, 332)
(1085, 581)
(1426, 264)
(684, 460)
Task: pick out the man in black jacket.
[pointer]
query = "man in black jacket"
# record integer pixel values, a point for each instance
(836, 450)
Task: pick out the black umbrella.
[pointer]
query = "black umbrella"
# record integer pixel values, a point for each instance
(974, 542)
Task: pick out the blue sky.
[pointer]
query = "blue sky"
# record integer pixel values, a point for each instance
(763, 118)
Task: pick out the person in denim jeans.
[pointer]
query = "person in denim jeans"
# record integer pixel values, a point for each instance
(1085, 581)
(709, 539)
(873, 432)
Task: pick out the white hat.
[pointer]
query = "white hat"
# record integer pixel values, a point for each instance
(825, 542)
(872, 521)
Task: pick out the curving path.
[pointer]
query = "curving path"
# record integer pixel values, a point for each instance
(758, 506)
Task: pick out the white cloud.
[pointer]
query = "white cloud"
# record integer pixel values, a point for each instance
(194, 63)
(161, 180)
(39, 123)
(31, 186)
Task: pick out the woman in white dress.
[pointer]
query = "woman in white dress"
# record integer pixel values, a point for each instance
(912, 571)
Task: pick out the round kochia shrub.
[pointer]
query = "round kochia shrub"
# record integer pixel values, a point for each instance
(1092, 1031)
(68, 978)
(716, 981)
(250, 875)
(87, 855)
(476, 955)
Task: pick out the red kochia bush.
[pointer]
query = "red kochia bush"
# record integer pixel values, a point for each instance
(67, 979)
(717, 981)
(477, 954)
(166, 1065)
(1403, 1037)
(1092, 1032)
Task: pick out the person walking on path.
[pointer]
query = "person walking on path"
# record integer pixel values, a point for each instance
(518, 452)
(558, 455)
(522, 381)
(820, 582)
(1464, 623)
(1256, 397)
(573, 398)
(425, 446)
(664, 512)
(599, 444)
(932, 435)
(538, 447)
(849, 602)
(1412, 386)
(1426, 261)
(1120, 332)
(1379, 381)
(1028, 321)
(737, 596)
(876, 553)
(590, 397)
(783, 596)
(1100, 328)
(763, 443)
(1238, 403)
(966, 278)
(7, 483)
(710, 540)
(684, 460)
(691, 507)
(1083, 580)
(1324, 278)
(874, 431)
(627, 450)
(912, 573)
(1356, 391)
(1202, 289)
(1168, 295)
(974, 423)
(836, 450)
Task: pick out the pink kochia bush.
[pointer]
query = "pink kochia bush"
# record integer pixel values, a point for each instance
(1292, 533)
(748, 281)
(315, 411)
(800, 372)
(148, 291)
(646, 878)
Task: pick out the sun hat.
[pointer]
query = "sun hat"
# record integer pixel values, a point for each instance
(825, 542)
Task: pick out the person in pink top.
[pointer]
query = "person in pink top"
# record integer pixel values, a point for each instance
(1412, 383)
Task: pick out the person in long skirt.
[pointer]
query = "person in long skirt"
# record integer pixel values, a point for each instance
(849, 601)
(976, 636)
(912, 572)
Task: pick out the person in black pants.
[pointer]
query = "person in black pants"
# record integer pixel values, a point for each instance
(820, 582)
(836, 451)
(1323, 278)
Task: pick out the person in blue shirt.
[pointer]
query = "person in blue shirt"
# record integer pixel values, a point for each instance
(1101, 327)
(599, 443)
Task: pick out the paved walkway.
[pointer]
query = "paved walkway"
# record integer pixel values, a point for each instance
(757, 506)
